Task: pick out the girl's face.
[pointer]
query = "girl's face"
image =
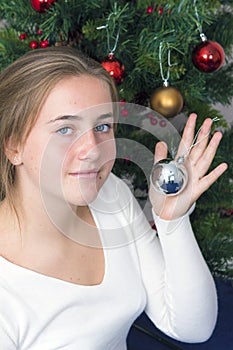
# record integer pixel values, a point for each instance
(70, 151)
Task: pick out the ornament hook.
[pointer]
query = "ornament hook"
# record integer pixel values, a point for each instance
(199, 26)
(110, 35)
(165, 80)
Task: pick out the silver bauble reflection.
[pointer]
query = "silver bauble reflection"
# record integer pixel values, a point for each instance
(169, 177)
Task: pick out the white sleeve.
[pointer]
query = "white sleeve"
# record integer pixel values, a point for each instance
(181, 294)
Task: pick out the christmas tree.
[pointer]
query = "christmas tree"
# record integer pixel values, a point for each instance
(173, 50)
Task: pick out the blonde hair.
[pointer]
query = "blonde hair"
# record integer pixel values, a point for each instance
(24, 86)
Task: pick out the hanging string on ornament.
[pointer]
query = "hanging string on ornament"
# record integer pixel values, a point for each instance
(207, 56)
(169, 176)
(166, 100)
(112, 64)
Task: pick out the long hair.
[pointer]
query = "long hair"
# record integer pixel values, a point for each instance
(24, 86)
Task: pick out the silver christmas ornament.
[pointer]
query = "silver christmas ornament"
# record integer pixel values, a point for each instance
(169, 177)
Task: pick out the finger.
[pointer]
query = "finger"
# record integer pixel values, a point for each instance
(209, 179)
(188, 135)
(202, 140)
(160, 151)
(207, 157)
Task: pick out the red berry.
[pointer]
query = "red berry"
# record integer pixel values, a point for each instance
(153, 121)
(124, 112)
(23, 36)
(44, 44)
(162, 123)
(149, 9)
(33, 44)
(161, 11)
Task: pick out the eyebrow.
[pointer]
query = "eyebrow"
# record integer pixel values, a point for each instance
(77, 117)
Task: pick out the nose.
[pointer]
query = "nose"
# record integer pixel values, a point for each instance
(87, 146)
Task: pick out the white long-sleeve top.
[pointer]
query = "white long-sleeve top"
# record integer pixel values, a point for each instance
(166, 277)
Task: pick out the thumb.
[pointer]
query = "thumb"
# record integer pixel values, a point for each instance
(160, 151)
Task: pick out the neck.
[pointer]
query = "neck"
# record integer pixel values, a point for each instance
(56, 222)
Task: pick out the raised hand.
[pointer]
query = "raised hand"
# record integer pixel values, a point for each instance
(197, 163)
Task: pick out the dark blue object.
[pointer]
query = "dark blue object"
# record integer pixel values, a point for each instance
(222, 337)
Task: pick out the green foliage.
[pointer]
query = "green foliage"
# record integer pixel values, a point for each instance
(76, 22)
(211, 223)
(214, 235)
(10, 47)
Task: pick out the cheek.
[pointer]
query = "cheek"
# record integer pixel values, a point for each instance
(49, 162)
(32, 157)
(110, 149)
(54, 155)
(108, 152)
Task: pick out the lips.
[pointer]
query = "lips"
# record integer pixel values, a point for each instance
(85, 174)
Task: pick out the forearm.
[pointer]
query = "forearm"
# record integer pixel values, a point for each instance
(188, 293)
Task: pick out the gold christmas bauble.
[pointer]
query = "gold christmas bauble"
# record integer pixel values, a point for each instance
(167, 100)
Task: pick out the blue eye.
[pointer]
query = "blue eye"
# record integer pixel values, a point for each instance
(65, 131)
(103, 128)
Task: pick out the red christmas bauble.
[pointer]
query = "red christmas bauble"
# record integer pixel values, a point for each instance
(115, 68)
(41, 5)
(208, 56)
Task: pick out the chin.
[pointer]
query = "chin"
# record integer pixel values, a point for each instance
(84, 191)
(81, 202)
(81, 198)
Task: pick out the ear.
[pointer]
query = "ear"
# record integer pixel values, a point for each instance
(13, 152)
